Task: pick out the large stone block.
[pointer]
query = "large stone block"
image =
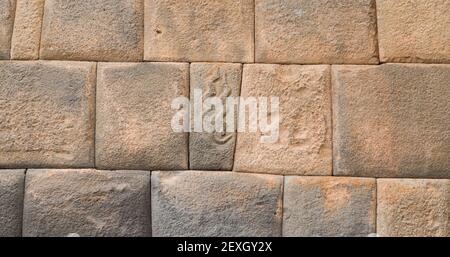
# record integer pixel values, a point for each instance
(11, 202)
(392, 120)
(214, 151)
(94, 30)
(413, 207)
(197, 30)
(198, 203)
(87, 203)
(319, 31)
(27, 30)
(134, 116)
(304, 142)
(329, 206)
(414, 30)
(7, 8)
(47, 114)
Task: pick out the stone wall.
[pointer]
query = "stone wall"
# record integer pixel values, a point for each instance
(87, 148)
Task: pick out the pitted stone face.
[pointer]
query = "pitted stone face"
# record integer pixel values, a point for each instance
(7, 8)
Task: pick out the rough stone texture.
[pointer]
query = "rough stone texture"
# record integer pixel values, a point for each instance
(95, 30)
(329, 206)
(413, 207)
(7, 8)
(214, 151)
(87, 203)
(11, 202)
(304, 144)
(47, 114)
(319, 31)
(198, 30)
(392, 120)
(198, 203)
(27, 29)
(134, 116)
(414, 30)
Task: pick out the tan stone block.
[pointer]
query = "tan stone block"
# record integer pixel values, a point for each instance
(198, 31)
(206, 203)
(319, 31)
(413, 207)
(304, 143)
(47, 114)
(7, 8)
(94, 30)
(11, 202)
(414, 30)
(392, 120)
(329, 206)
(214, 151)
(134, 116)
(27, 30)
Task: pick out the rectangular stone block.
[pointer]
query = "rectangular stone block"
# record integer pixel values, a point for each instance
(7, 10)
(199, 31)
(27, 30)
(213, 151)
(329, 206)
(303, 145)
(11, 202)
(413, 207)
(414, 30)
(87, 203)
(319, 31)
(392, 120)
(199, 203)
(134, 116)
(93, 30)
(47, 114)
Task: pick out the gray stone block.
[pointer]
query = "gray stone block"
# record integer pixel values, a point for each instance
(11, 202)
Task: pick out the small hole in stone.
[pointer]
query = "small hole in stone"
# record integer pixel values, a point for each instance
(158, 31)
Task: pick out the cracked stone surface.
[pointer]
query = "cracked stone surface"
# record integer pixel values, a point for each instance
(87, 203)
(11, 202)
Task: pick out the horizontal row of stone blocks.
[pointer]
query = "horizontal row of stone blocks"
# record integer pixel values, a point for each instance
(267, 31)
(204, 203)
(389, 120)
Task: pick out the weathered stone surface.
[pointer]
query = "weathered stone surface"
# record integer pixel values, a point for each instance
(392, 120)
(414, 30)
(87, 203)
(11, 202)
(413, 207)
(304, 143)
(319, 31)
(47, 114)
(95, 30)
(329, 206)
(134, 116)
(27, 30)
(7, 8)
(199, 203)
(197, 30)
(214, 151)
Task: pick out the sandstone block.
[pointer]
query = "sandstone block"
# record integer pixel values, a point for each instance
(303, 145)
(414, 30)
(134, 116)
(87, 203)
(197, 30)
(27, 29)
(47, 114)
(413, 207)
(329, 206)
(11, 202)
(214, 151)
(7, 8)
(198, 203)
(392, 120)
(94, 30)
(319, 31)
